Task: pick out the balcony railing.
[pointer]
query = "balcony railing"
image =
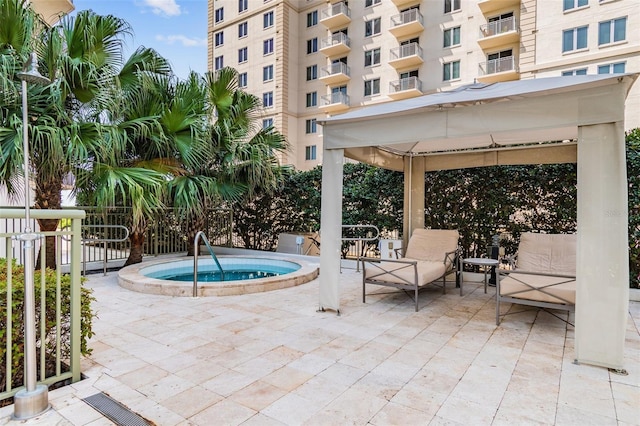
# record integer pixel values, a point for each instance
(336, 14)
(335, 98)
(408, 83)
(406, 50)
(335, 39)
(495, 66)
(406, 17)
(498, 27)
(336, 68)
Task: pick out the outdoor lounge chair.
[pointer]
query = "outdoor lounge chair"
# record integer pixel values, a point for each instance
(430, 255)
(544, 275)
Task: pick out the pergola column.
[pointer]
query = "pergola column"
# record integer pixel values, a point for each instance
(602, 296)
(413, 216)
(331, 228)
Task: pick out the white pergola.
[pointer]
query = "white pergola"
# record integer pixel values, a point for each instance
(538, 121)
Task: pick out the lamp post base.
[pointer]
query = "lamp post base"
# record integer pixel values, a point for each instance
(30, 404)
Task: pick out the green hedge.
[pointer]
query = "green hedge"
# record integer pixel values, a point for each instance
(49, 345)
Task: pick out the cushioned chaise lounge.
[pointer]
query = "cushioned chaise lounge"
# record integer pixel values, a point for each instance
(544, 274)
(431, 254)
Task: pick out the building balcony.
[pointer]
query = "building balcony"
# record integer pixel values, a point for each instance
(337, 44)
(499, 33)
(497, 70)
(334, 103)
(51, 10)
(406, 56)
(404, 88)
(490, 6)
(407, 23)
(402, 3)
(335, 73)
(336, 15)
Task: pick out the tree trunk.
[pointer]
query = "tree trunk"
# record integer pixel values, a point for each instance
(194, 224)
(137, 248)
(47, 196)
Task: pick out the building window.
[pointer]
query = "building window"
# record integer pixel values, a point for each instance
(611, 68)
(267, 73)
(310, 152)
(219, 15)
(267, 19)
(219, 38)
(312, 45)
(242, 55)
(312, 99)
(572, 4)
(312, 72)
(242, 79)
(267, 122)
(243, 30)
(218, 62)
(451, 37)
(574, 39)
(612, 31)
(581, 71)
(369, 3)
(451, 5)
(372, 87)
(312, 18)
(451, 71)
(372, 57)
(243, 5)
(372, 27)
(267, 99)
(267, 46)
(310, 126)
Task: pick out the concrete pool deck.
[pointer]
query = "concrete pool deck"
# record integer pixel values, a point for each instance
(271, 359)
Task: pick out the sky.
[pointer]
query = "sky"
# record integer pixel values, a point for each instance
(177, 29)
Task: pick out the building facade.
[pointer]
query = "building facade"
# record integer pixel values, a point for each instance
(52, 10)
(309, 59)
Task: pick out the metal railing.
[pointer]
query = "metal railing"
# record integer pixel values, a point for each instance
(335, 9)
(334, 39)
(201, 236)
(406, 50)
(336, 68)
(498, 27)
(408, 83)
(336, 98)
(406, 17)
(58, 307)
(497, 65)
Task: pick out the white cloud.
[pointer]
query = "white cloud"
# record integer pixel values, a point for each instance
(164, 7)
(182, 39)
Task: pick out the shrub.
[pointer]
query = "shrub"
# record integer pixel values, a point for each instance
(17, 322)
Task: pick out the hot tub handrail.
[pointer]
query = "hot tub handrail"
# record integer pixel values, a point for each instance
(201, 236)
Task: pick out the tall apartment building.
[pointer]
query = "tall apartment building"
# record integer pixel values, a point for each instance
(52, 10)
(307, 59)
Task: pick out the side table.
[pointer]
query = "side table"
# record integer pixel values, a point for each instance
(483, 262)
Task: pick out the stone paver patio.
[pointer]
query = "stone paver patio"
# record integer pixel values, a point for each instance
(271, 359)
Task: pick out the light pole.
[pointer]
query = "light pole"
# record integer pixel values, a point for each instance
(34, 399)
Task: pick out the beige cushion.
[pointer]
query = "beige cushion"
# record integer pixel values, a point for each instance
(404, 273)
(547, 253)
(554, 294)
(431, 244)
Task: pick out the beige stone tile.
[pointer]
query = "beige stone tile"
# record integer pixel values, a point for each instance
(570, 416)
(353, 407)
(420, 398)
(287, 378)
(143, 376)
(627, 402)
(395, 414)
(587, 394)
(262, 420)
(527, 408)
(369, 356)
(164, 388)
(320, 391)
(462, 411)
(191, 401)
(257, 367)
(381, 386)
(312, 363)
(228, 382)
(291, 409)
(78, 413)
(159, 414)
(342, 374)
(282, 354)
(257, 395)
(201, 371)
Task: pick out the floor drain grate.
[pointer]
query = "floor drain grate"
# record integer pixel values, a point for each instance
(114, 411)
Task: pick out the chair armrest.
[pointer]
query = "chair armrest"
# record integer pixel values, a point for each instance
(378, 260)
(544, 274)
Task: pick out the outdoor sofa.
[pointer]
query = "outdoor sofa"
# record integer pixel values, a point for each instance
(543, 274)
(431, 254)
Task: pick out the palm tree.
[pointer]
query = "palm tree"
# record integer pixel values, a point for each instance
(81, 55)
(242, 156)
